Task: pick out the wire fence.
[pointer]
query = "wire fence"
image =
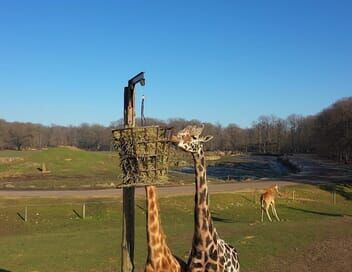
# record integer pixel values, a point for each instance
(60, 204)
(80, 208)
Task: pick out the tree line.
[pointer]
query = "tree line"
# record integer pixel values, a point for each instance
(328, 133)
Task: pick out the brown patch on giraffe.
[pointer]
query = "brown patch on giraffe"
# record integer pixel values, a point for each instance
(205, 225)
(164, 263)
(202, 197)
(152, 217)
(152, 205)
(200, 168)
(151, 194)
(211, 267)
(154, 241)
(153, 228)
(208, 241)
(202, 161)
(187, 138)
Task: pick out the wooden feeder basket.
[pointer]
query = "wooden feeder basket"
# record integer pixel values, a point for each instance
(144, 154)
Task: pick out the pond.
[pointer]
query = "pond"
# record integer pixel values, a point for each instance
(244, 167)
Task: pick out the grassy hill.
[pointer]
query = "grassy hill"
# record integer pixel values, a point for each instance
(70, 168)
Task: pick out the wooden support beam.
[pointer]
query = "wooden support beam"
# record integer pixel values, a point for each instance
(128, 219)
(26, 214)
(84, 211)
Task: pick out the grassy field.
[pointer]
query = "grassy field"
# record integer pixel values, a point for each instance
(70, 168)
(56, 238)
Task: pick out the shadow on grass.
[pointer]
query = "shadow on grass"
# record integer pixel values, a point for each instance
(77, 214)
(20, 216)
(315, 212)
(219, 219)
(4, 270)
(141, 207)
(339, 188)
(250, 200)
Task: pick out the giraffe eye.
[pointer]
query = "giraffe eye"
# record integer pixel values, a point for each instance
(194, 137)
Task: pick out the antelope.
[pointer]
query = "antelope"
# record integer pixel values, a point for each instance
(267, 199)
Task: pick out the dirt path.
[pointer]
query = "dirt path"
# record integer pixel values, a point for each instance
(162, 191)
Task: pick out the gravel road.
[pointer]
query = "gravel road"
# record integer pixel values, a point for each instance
(162, 191)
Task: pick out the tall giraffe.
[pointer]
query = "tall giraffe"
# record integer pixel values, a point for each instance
(209, 252)
(160, 258)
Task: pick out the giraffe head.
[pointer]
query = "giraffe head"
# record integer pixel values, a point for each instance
(189, 139)
(275, 188)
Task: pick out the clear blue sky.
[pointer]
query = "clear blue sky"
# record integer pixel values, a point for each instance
(66, 62)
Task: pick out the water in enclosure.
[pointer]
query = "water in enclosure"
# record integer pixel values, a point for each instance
(245, 167)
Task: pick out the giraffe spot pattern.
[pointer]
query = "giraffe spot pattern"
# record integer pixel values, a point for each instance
(209, 253)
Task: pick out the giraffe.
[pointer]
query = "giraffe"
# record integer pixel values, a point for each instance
(160, 258)
(267, 199)
(209, 252)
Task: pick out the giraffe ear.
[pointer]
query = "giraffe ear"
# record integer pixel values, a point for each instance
(197, 130)
(205, 139)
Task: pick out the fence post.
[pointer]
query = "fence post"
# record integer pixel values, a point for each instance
(25, 214)
(255, 195)
(293, 195)
(84, 211)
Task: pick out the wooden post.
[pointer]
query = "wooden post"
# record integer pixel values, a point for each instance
(25, 214)
(127, 256)
(84, 211)
(293, 195)
(255, 196)
(128, 194)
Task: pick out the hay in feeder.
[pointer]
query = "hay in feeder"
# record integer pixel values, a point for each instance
(144, 154)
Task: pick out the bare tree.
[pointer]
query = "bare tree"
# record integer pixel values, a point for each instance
(328, 133)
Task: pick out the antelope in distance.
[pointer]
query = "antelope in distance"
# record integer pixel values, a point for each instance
(267, 199)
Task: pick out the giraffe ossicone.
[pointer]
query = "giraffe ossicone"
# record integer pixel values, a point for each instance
(209, 253)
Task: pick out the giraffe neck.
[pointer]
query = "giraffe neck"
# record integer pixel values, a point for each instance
(155, 235)
(271, 191)
(203, 227)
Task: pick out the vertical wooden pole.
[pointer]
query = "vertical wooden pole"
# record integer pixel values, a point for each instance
(25, 214)
(84, 211)
(255, 196)
(127, 246)
(127, 257)
(293, 195)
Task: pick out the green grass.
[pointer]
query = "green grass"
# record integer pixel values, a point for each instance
(56, 239)
(70, 168)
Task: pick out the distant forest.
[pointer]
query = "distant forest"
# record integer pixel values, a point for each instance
(328, 133)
